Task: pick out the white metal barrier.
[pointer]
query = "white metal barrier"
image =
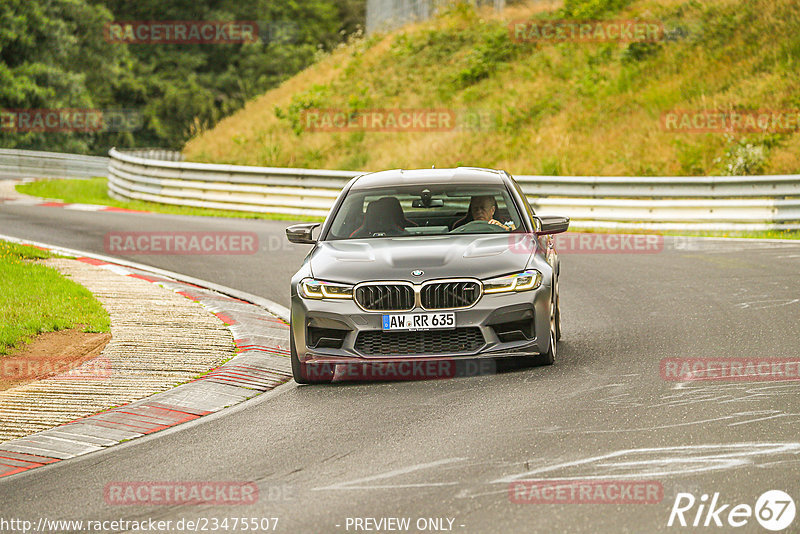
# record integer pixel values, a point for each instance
(34, 164)
(231, 187)
(699, 203)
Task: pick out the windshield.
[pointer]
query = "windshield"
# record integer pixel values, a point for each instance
(425, 210)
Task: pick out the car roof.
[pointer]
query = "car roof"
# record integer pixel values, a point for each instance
(465, 175)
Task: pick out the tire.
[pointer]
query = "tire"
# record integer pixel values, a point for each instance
(549, 357)
(558, 310)
(300, 371)
(297, 367)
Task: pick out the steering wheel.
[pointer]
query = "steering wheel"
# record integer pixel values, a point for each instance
(478, 227)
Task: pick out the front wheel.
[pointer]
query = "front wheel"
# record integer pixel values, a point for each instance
(303, 373)
(549, 357)
(558, 311)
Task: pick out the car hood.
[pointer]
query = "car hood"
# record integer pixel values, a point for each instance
(393, 258)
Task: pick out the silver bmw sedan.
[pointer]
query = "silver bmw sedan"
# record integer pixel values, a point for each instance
(421, 274)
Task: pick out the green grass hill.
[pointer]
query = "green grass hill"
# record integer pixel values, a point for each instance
(546, 107)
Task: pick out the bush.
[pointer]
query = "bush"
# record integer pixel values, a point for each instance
(495, 50)
(745, 158)
(589, 9)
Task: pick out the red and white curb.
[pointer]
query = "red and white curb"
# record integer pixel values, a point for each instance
(261, 364)
(65, 205)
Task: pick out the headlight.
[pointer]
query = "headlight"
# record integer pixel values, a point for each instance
(523, 281)
(317, 289)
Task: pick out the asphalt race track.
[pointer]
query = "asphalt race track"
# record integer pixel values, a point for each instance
(450, 448)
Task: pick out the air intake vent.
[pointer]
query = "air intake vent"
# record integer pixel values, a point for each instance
(325, 338)
(461, 340)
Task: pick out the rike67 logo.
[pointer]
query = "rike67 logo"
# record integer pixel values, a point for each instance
(774, 510)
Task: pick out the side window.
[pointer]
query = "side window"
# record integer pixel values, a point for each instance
(505, 213)
(527, 205)
(352, 216)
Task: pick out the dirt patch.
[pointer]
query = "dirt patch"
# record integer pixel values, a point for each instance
(69, 354)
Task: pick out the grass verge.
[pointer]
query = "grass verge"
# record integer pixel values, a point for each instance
(35, 298)
(95, 191)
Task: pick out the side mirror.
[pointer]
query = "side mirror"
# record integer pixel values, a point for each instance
(553, 224)
(301, 233)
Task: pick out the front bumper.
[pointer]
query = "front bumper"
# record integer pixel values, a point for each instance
(495, 315)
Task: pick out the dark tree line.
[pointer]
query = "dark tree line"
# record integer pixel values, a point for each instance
(54, 54)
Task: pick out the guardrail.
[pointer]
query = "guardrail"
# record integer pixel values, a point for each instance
(656, 203)
(34, 164)
(230, 187)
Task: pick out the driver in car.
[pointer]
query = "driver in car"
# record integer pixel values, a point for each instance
(482, 208)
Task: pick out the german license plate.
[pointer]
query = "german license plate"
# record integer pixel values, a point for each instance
(420, 321)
